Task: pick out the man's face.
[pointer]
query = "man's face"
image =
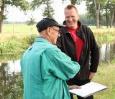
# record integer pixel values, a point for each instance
(54, 33)
(71, 18)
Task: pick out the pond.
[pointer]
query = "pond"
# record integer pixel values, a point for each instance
(11, 85)
(107, 53)
(11, 66)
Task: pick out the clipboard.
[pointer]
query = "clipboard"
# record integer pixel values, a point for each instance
(88, 89)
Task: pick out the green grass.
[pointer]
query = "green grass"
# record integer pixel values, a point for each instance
(105, 75)
(12, 47)
(102, 35)
(18, 28)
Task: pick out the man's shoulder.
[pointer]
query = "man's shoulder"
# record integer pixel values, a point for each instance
(52, 50)
(84, 26)
(51, 47)
(86, 29)
(63, 29)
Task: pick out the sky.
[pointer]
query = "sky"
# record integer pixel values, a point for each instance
(16, 15)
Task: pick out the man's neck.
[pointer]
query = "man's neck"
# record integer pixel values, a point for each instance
(47, 37)
(73, 27)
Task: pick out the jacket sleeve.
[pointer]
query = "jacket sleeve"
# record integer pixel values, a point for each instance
(94, 51)
(61, 65)
(60, 38)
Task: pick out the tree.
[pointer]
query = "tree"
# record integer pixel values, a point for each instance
(110, 12)
(22, 4)
(102, 8)
(97, 9)
(48, 12)
(11, 85)
(74, 1)
(31, 21)
(37, 3)
(94, 7)
(3, 80)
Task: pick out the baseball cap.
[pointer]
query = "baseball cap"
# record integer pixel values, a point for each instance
(45, 23)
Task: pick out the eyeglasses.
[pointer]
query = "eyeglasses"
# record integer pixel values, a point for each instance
(57, 30)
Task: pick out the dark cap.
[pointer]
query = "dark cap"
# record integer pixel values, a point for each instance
(45, 23)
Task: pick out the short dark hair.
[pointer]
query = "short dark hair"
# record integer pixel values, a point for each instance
(70, 6)
(45, 23)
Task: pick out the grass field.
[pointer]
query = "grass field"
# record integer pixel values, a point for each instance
(102, 35)
(18, 28)
(105, 75)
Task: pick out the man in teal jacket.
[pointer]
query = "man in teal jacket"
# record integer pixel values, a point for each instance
(44, 67)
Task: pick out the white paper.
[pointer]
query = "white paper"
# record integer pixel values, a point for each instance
(88, 89)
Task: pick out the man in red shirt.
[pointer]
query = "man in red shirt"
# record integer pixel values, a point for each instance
(78, 42)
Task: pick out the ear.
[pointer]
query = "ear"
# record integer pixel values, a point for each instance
(48, 31)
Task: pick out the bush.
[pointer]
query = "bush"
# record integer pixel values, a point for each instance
(14, 47)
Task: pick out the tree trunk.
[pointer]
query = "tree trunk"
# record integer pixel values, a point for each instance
(97, 9)
(106, 18)
(1, 21)
(112, 18)
(48, 7)
(1, 14)
(98, 16)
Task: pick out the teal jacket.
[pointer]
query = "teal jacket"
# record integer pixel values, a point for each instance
(45, 70)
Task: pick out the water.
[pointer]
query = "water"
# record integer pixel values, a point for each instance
(11, 84)
(12, 66)
(107, 53)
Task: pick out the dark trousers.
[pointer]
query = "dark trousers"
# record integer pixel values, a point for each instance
(78, 97)
(82, 82)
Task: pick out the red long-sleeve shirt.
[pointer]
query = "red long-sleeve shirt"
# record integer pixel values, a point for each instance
(79, 43)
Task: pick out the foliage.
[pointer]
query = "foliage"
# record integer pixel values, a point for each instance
(10, 46)
(104, 9)
(31, 21)
(104, 35)
(85, 19)
(37, 3)
(48, 11)
(11, 84)
(22, 4)
(74, 1)
(11, 49)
